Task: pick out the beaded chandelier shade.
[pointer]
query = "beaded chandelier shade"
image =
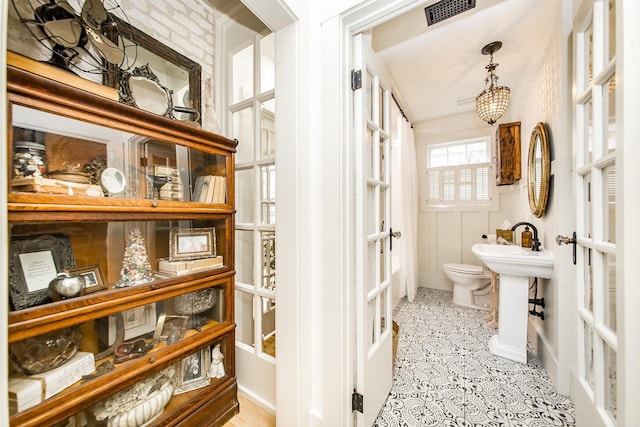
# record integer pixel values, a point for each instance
(493, 101)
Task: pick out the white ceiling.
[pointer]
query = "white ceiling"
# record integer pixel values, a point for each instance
(434, 67)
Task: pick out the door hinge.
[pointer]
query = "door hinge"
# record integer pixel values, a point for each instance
(357, 402)
(356, 79)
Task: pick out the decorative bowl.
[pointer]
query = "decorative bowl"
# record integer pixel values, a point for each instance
(45, 352)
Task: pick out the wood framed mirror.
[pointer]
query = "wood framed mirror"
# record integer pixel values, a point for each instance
(539, 169)
(175, 72)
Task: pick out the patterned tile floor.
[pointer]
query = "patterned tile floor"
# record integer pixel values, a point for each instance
(444, 374)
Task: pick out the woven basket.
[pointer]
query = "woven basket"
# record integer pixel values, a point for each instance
(395, 336)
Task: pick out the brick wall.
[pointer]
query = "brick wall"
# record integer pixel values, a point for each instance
(186, 26)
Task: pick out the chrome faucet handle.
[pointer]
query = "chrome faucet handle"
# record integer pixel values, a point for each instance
(563, 240)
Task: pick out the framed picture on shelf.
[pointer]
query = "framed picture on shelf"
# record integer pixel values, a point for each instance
(192, 243)
(192, 372)
(135, 322)
(33, 263)
(93, 277)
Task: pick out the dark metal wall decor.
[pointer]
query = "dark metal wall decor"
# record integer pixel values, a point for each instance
(77, 41)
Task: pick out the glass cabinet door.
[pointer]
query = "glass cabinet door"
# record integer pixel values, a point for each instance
(53, 154)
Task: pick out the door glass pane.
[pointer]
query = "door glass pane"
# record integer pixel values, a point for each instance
(383, 312)
(588, 154)
(268, 194)
(610, 114)
(370, 324)
(588, 356)
(384, 224)
(381, 114)
(609, 175)
(586, 182)
(610, 309)
(268, 307)
(612, 28)
(268, 260)
(369, 155)
(369, 96)
(370, 203)
(589, 53)
(244, 256)
(243, 132)
(383, 155)
(267, 63)
(244, 317)
(244, 195)
(242, 74)
(268, 129)
(370, 279)
(383, 262)
(611, 382)
(588, 281)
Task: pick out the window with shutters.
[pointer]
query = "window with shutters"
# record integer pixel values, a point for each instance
(458, 175)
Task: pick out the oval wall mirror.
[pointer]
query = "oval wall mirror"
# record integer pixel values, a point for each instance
(539, 169)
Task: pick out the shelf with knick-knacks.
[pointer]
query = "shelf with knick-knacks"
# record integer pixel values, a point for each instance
(121, 262)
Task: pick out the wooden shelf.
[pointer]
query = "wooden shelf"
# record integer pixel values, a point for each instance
(98, 231)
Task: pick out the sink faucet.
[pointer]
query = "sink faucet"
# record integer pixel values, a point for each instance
(536, 243)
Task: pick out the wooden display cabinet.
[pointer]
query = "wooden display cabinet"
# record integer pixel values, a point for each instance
(111, 200)
(508, 163)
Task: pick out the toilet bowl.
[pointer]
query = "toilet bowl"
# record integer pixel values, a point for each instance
(471, 285)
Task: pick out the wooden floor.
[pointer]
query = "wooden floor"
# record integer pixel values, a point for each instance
(251, 415)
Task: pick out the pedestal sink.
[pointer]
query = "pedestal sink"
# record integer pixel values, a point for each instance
(515, 265)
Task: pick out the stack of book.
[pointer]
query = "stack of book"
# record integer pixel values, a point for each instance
(39, 184)
(210, 189)
(26, 391)
(172, 190)
(183, 267)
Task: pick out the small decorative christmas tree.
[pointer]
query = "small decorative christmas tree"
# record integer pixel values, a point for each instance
(136, 268)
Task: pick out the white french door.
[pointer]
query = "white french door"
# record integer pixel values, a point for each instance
(252, 123)
(597, 158)
(371, 103)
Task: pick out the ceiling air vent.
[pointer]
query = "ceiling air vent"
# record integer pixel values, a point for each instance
(445, 9)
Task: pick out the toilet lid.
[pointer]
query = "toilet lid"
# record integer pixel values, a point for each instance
(465, 268)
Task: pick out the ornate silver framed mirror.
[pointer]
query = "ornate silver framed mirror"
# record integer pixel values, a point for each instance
(539, 169)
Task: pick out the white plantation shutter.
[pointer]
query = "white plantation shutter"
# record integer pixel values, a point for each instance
(448, 185)
(458, 174)
(464, 185)
(433, 186)
(454, 185)
(482, 183)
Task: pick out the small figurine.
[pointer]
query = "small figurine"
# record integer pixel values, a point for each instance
(216, 369)
(157, 182)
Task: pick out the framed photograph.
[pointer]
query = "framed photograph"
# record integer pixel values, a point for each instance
(192, 372)
(93, 277)
(192, 243)
(170, 325)
(33, 263)
(135, 322)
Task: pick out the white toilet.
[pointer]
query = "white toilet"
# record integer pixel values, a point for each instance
(471, 285)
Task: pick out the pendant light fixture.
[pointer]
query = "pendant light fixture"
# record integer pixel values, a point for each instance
(493, 101)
